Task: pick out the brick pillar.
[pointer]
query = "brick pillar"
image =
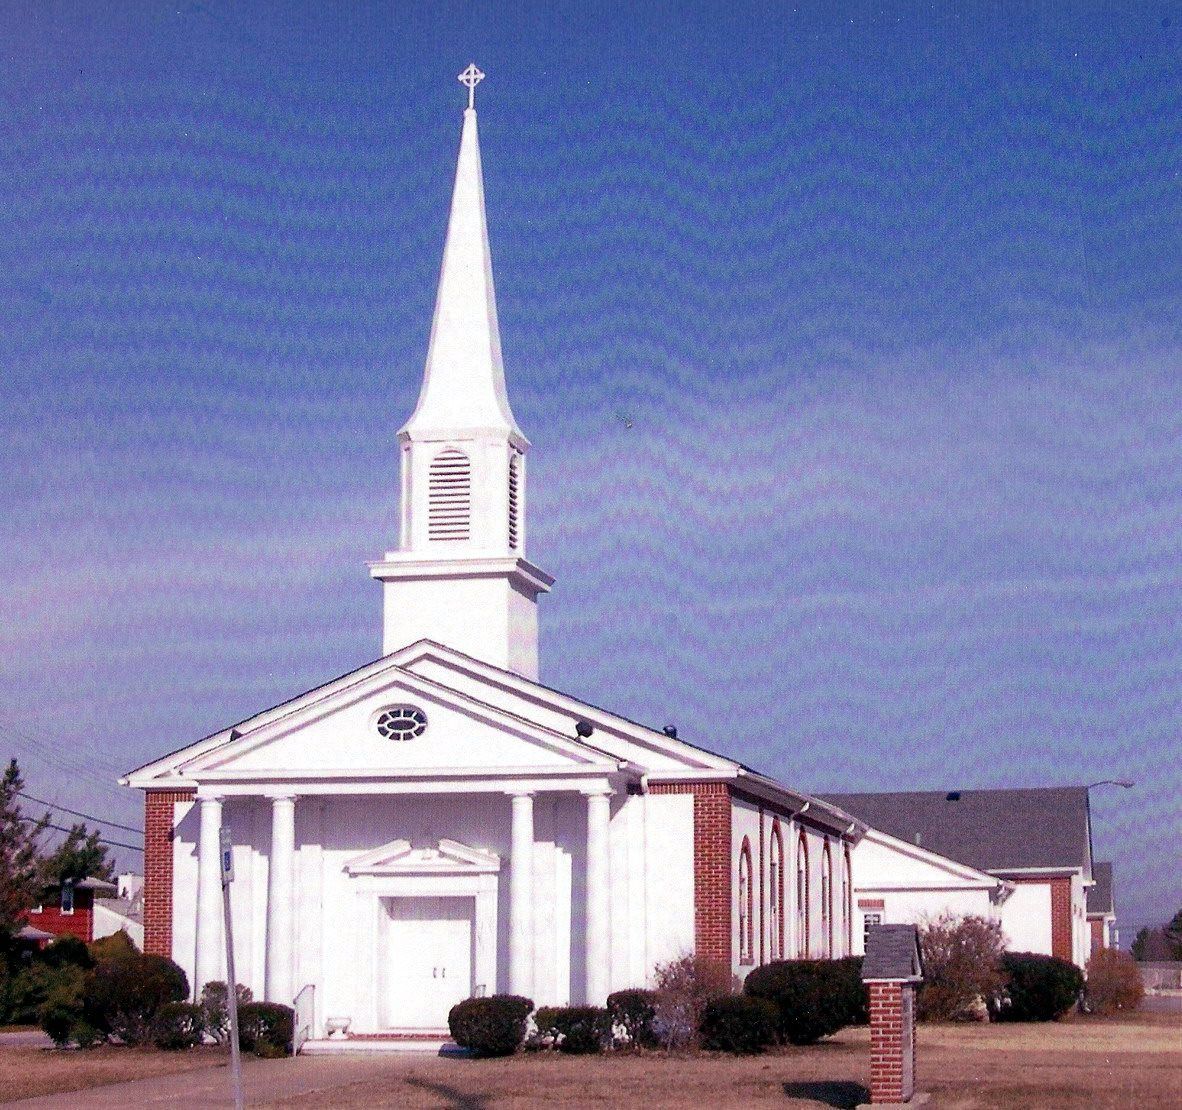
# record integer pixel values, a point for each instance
(159, 807)
(712, 866)
(892, 1042)
(1061, 923)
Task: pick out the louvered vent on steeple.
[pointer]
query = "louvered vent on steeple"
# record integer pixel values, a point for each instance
(449, 515)
(514, 501)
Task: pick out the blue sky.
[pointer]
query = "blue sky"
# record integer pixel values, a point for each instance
(890, 297)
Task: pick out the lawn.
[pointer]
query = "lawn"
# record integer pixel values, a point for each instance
(26, 1072)
(1091, 1063)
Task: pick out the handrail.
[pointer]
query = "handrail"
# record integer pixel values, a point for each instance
(305, 1009)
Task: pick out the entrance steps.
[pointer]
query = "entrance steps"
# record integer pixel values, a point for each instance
(436, 1042)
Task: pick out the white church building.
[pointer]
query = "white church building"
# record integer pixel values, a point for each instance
(437, 823)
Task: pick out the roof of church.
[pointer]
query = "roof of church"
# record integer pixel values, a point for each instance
(1100, 896)
(991, 830)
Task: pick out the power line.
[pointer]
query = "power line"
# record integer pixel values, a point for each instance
(54, 757)
(101, 840)
(78, 813)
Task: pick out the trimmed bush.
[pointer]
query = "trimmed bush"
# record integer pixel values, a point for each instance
(266, 1028)
(579, 1030)
(122, 997)
(855, 993)
(739, 1023)
(493, 1026)
(37, 983)
(1114, 983)
(178, 1025)
(812, 997)
(215, 1008)
(633, 1013)
(1038, 988)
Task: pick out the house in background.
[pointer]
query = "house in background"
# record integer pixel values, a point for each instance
(1021, 857)
(88, 909)
(68, 909)
(1102, 909)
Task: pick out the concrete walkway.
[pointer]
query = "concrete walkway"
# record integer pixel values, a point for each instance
(264, 1081)
(25, 1038)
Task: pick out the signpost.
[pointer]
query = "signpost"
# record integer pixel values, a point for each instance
(227, 861)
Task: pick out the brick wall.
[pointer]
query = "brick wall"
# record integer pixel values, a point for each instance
(887, 1040)
(1061, 945)
(158, 830)
(1097, 930)
(712, 866)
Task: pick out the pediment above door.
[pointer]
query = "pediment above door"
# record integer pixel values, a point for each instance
(400, 857)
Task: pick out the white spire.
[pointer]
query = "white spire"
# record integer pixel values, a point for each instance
(464, 380)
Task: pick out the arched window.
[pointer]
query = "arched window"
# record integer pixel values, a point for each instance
(746, 906)
(514, 501)
(775, 900)
(847, 903)
(449, 496)
(802, 898)
(827, 901)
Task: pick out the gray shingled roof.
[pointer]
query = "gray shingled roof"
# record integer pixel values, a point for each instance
(991, 830)
(892, 952)
(1100, 895)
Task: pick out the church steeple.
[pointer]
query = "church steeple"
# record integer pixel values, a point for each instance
(459, 575)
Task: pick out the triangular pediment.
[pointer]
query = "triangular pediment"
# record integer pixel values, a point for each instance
(400, 857)
(340, 731)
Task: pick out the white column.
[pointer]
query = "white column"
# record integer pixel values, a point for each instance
(281, 902)
(521, 896)
(598, 899)
(207, 966)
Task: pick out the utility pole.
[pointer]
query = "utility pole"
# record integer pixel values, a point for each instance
(232, 984)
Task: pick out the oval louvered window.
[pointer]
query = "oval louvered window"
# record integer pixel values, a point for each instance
(449, 496)
(514, 499)
(402, 722)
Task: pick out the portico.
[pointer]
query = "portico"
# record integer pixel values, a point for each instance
(391, 897)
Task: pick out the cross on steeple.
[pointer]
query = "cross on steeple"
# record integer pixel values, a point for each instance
(470, 78)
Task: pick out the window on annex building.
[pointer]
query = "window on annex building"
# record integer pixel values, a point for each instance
(68, 896)
(746, 906)
(869, 919)
(847, 903)
(776, 891)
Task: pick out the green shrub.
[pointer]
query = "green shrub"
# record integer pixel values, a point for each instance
(579, 1030)
(122, 996)
(215, 1008)
(112, 947)
(178, 1025)
(38, 982)
(855, 993)
(66, 952)
(1114, 983)
(633, 1013)
(812, 997)
(266, 1028)
(739, 1023)
(1038, 988)
(492, 1026)
(59, 1020)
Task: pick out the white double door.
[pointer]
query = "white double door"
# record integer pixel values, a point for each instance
(425, 959)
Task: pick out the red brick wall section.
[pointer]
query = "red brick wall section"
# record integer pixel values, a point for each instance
(886, 1042)
(1097, 929)
(158, 831)
(1061, 918)
(712, 866)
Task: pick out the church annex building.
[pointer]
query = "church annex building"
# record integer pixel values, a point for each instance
(437, 823)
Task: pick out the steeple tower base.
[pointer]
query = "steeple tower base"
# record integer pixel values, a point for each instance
(485, 607)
